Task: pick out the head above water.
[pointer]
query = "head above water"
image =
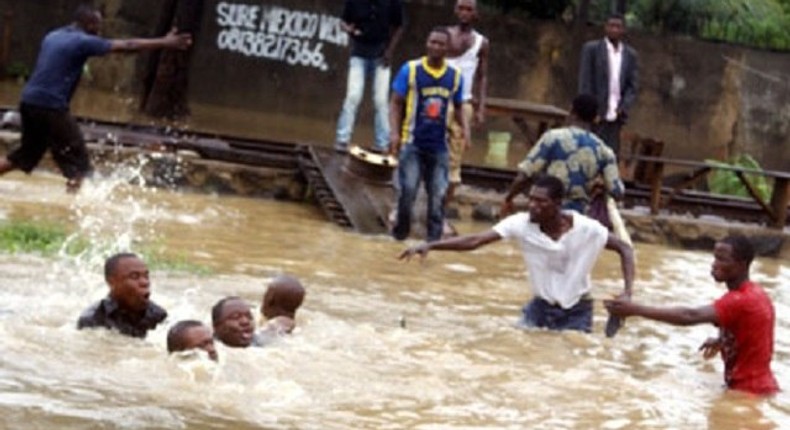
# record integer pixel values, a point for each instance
(585, 108)
(233, 322)
(732, 257)
(282, 298)
(436, 44)
(128, 278)
(88, 18)
(466, 11)
(190, 334)
(614, 29)
(545, 198)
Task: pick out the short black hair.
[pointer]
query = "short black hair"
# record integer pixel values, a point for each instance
(553, 184)
(84, 13)
(742, 248)
(111, 264)
(175, 336)
(616, 15)
(585, 107)
(441, 29)
(216, 310)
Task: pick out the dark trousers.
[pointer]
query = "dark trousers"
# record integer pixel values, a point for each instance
(609, 132)
(542, 314)
(57, 131)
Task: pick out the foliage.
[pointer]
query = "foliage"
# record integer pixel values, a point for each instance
(759, 23)
(45, 239)
(727, 182)
(49, 239)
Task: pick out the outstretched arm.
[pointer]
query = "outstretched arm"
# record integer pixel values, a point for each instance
(682, 316)
(460, 243)
(171, 40)
(626, 261)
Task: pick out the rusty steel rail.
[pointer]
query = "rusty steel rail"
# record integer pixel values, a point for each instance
(300, 157)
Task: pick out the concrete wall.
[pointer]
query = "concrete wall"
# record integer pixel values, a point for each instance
(703, 99)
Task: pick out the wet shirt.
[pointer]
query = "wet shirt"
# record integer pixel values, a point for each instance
(427, 93)
(106, 313)
(746, 321)
(374, 19)
(558, 269)
(577, 157)
(63, 54)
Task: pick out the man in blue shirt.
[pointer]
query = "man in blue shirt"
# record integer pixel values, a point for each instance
(46, 121)
(421, 94)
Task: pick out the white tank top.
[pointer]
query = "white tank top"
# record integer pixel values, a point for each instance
(467, 63)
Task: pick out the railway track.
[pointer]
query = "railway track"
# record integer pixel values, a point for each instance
(301, 157)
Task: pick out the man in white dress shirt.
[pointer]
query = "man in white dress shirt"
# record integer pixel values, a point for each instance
(560, 249)
(609, 71)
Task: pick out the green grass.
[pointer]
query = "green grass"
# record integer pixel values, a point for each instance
(46, 239)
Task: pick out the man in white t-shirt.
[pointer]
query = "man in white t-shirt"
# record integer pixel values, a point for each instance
(560, 249)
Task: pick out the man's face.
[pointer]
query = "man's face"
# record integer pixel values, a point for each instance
(466, 11)
(129, 284)
(436, 46)
(540, 205)
(614, 29)
(725, 266)
(200, 337)
(93, 25)
(235, 326)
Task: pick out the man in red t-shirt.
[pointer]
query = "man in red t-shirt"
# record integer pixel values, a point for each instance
(745, 317)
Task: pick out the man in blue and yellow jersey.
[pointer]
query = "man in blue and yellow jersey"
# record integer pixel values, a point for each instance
(421, 94)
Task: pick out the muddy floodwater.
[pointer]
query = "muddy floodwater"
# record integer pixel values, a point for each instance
(380, 344)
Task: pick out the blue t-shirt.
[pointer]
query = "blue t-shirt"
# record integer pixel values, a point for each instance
(428, 93)
(64, 52)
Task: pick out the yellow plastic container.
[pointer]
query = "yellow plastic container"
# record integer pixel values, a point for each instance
(498, 145)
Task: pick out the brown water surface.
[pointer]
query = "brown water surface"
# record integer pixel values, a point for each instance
(457, 362)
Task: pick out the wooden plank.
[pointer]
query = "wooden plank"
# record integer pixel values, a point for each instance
(755, 195)
(779, 201)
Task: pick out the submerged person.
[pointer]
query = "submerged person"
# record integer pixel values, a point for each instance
(44, 106)
(234, 324)
(188, 335)
(127, 308)
(560, 248)
(283, 297)
(744, 314)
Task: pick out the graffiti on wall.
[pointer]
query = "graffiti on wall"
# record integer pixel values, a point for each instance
(277, 33)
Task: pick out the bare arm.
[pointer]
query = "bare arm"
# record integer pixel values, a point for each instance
(521, 183)
(481, 83)
(682, 316)
(171, 40)
(461, 243)
(396, 119)
(626, 261)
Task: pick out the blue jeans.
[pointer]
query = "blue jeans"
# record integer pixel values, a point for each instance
(360, 70)
(414, 165)
(542, 314)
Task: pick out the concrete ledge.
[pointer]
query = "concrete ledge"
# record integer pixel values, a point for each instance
(186, 170)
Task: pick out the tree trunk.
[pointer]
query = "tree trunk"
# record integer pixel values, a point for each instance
(166, 82)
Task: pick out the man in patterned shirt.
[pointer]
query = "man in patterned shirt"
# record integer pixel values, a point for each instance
(574, 155)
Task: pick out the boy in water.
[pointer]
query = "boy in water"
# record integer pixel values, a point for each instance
(190, 334)
(283, 297)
